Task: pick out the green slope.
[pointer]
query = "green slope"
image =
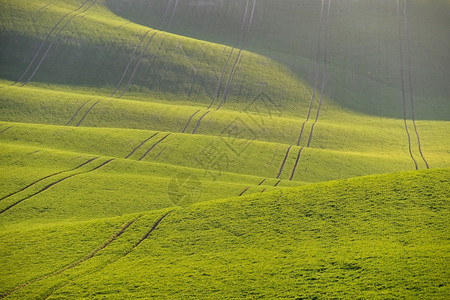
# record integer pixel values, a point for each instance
(380, 236)
(171, 149)
(362, 49)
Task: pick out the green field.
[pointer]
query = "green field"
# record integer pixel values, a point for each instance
(224, 149)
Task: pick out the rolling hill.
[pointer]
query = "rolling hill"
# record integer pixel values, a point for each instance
(224, 149)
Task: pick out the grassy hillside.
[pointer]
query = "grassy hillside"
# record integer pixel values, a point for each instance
(363, 52)
(221, 149)
(385, 238)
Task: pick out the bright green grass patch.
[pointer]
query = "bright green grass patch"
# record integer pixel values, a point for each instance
(366, 237)
(374, 236)
(215, 155)
(120, 187)
(351, 133)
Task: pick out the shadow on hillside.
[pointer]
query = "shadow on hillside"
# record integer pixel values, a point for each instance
(362, 45)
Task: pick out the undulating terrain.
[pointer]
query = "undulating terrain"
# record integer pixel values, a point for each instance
(295, 149)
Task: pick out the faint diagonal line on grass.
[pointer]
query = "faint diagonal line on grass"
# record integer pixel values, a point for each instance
(284, 161)
(152, 147)
(46, 39)
(140, 145)
(76, 112)
(87, 112)
(78, 262)
(48, 176)
(52, 184)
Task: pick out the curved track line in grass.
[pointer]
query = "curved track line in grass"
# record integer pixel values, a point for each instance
(140, 145)
(219, 82)
(46, 40)
(59, 286)
(133, 55)
(160, 152)
(284, 162)
(88, 256)
(222, 73)
(137, 65)
(48, 176)
(278, 182)
(238, 57)
(129, 64)
(322, 90)
(161, 28)
(76, 112)
(7, 128)
(403, 85)
(316, 76)
(296, 163)
(53, 40)
(87, 112)
(243, 192)
(152, 147)
(47, 5)
(199, 121)
(174, 10)
(54, 183)
(411, 97)
(189, 121)
(325, 75)
(264, 180)
(146, 235)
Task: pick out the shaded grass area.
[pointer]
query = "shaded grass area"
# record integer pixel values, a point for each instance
(94, 50)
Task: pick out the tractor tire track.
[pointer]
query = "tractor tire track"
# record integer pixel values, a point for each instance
(296, 163)
(219, 82)
(88, 256)
(47, 5)
(411, 97)
(316, 76)
(284, 162)
(264, 180)
(154, 145)
(243, 192)
(189, 121)
(53, 40)
(403, 84)
(76, 112)
(174, 10)
(52, 184)
(325, 75)
(160, 28)
(59, 286)
(140, 145)
(236, 61)
(160, 152)
(87, 112)
(137, 65)
(146, 235)
(199, 121)
(46, 40)
(7, 128)
(222, 74)
(48, 176)
(133, 55)
(278, 182)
